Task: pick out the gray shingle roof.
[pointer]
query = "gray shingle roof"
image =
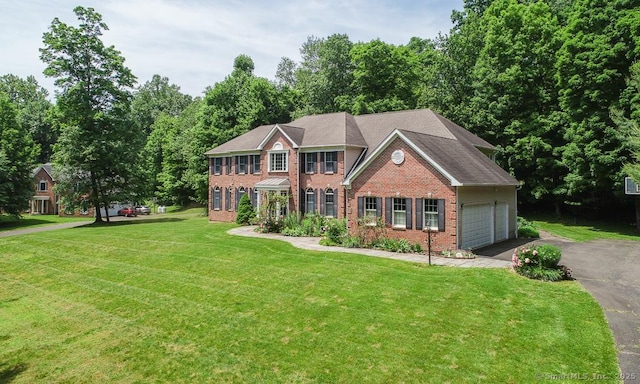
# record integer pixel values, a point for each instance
(454, 148)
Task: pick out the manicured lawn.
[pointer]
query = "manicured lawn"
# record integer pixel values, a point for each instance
(585, 230)
(176, 299)
(9, 223)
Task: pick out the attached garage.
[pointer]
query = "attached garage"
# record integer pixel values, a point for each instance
(486, 215)
(477, 226)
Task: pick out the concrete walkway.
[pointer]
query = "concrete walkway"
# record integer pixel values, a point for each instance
(312, 243)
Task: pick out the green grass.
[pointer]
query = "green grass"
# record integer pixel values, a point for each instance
(9, 223)
(585, 230)
(176, 299)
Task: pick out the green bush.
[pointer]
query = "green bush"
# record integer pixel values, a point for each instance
(526, 229)
(246, 213)
(540, 262)
(291, 221)
(549, 255)
(336, 230)
(293, 232)
(352, 242)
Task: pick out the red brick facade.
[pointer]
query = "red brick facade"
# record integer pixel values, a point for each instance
(44, 200)
(299, 180)
(413, 179)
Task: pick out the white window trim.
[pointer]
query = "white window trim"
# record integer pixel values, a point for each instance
(286, 161)
(434, 225)
(394, 212)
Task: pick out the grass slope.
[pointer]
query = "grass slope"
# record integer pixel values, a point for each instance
(585, 230)
(179, 300)
(9, 223)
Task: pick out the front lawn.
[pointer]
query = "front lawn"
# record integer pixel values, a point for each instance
(176, 299)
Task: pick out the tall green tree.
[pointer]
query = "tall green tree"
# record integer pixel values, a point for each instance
(515, 99)
(600, 44)
(97, 151)
(34, 111)
(17, 154)
(154, 97)
(385, 78)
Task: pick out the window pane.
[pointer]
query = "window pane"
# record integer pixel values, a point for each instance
(431, 213)
(329, 203)
(399, 213)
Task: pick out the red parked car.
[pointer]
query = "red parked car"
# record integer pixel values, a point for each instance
(127, 212)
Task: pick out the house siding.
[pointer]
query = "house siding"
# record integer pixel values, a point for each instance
(491, 195)
(413, 179)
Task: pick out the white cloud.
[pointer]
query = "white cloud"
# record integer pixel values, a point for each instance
(194, 42)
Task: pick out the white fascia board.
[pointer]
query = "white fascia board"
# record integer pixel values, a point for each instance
(273, 132)
(397, 134)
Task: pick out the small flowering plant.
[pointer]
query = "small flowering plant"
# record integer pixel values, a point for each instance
(540, 262)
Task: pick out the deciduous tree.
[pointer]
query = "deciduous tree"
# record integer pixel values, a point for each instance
(98, 148)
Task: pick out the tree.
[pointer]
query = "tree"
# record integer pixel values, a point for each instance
(157, 96)
(34, 111)
(629, 127)
(600, 44)
(515, 100)
(246, 213)
(385, 78)
(97, 152)
(17, 154)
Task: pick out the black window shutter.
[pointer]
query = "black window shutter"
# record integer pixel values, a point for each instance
(315, 201)
(303, 199)
(236, 169)
(409, 203)
(314, 156)
(321, 162)
(335, 162)
(236, 199)
(212, 199)
(252, 197)
(335, 203)
(226, 198)
(251, 164)
(388, 210)
(441, 215)
(322, 202)
(378, 206)
(419, 213)
(360, 206)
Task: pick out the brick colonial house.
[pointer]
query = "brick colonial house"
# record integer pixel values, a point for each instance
(415, 170)
(45, 201)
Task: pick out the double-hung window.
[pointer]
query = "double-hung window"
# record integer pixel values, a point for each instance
(370, 210)
(329, 203)
(241, 164)
(278, 161)
(255, 163)
(330, 162)
(399, 213)
(310, 162)
(217, 199)
(216, 165)
(431, 214)
(310, 206)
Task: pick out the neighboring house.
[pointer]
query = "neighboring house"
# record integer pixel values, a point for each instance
(414, 170)
(45, 201)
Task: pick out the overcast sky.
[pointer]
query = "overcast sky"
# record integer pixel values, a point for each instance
(194, 42)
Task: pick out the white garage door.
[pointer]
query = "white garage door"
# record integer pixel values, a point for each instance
(477, 226)
(502, 218)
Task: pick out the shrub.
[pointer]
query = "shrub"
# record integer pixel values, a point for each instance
(313, 224)
(336, 230)
(291, 221)
(352, 242)
(293, 232)
(527, 229)
(270, 225)
(540, 262)
(246, 213)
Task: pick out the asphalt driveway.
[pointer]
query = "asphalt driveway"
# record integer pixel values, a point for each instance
(610, 271)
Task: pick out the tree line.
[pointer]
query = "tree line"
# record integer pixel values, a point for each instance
(554, 84)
